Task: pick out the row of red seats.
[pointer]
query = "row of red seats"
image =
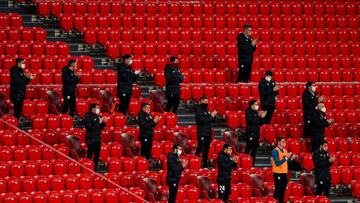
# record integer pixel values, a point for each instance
(34, 48)
(23, 34)
(127, 164)
(10, 20)
(30, 152)
(265, 8)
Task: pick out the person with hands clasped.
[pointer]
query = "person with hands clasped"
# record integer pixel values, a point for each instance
(268, 91)
(318, 123)
(70, 79)
(173, 78)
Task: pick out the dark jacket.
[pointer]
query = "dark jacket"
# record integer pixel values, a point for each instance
(321, 164)
(267, 95)
(93, 128)
(69, 80)
(225, 165)
(146, 125)
(173, 79)
(126, 77)
(18, 82)
(203, 122)
(318, 124)
(245, 49)
(174, 168)
(252, 123)
(309, 102)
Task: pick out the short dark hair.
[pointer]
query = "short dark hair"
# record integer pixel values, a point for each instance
(203, 98)
(247, 26)
(126, 56)
(322, 142)
(19, 60)
(71, 62)
(226, 145)
(175, 146)
(268, 73)
(278, 139)
(93, 106)
(173, 58)
(144, 104)
(252, 102)
(309, 84)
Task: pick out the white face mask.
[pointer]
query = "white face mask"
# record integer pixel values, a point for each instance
(22, 66)
(313, 89)
(256, 108)
(179, 151)
(130, 62)
(97, 111)
(268, 78)
(323, 110)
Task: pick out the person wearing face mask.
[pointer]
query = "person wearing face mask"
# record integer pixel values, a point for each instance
(93, 126)
(70, 79)
(246, 47)
(318, 124)
(280, 159)
(253, 119)
(146, 125)
(268, 91)
(309, 101)
(225, 165)
(126, 78)
(18, 81)
(175, 167)
(204, 119)
(173, 79)
(322, 163)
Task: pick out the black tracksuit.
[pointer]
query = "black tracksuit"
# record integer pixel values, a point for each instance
(253, 123)
(267, 98)
(225, 166)
(18, 82)
(93, 136)
(146, 125)
(173, 175)
(204, 132)
(309, 101)
(70, 81)
(245, 57)
(173, 78)
(126, 77)
(318, 124)
(322, 172)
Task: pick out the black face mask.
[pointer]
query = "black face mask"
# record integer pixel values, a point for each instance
(205, 106)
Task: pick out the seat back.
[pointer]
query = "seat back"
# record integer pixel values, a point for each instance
(204, 184)
(54, 101)
(128, 141)
(182, 140)
(4, 109)
(106, 99)
(257, 182)
(308, 181)
(157, 97)
(231, 137)
(74, 143)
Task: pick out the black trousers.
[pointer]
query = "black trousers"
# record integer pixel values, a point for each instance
(94, 149)
(173, 189)
(270, 112)
(203, 142)
(280, 180)
(224, 189)
(323, 187)
(124, 102)
(307, 129)
(315, 142)
(69, 103)
(172, 103)
(146, 145)
(18, 106)
(252, 144)
(245, 70)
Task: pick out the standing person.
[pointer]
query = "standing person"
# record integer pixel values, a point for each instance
(309, 101)
(126, 77)
(204, 130)
(173, 78)
(18, 81)
(279, 161)
(225, 164)
(93, 125)
(246, 47)
(318, 124)
(146, 125)
(268, 91)
(253, 119)
(322, 164)
(175, 167)
(70, 79)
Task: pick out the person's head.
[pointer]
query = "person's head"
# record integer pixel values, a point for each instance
(204, 102)
(145, 107)
(311, 86)
(281, 142)
(227, 148)
(72, 64)
(268, 75)
(247, 30)
(20, 62)
(321, 107)
(254, 105)
(174, 61)
(127, 58)
(323, 145)
(95, 108)
(177, 149)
